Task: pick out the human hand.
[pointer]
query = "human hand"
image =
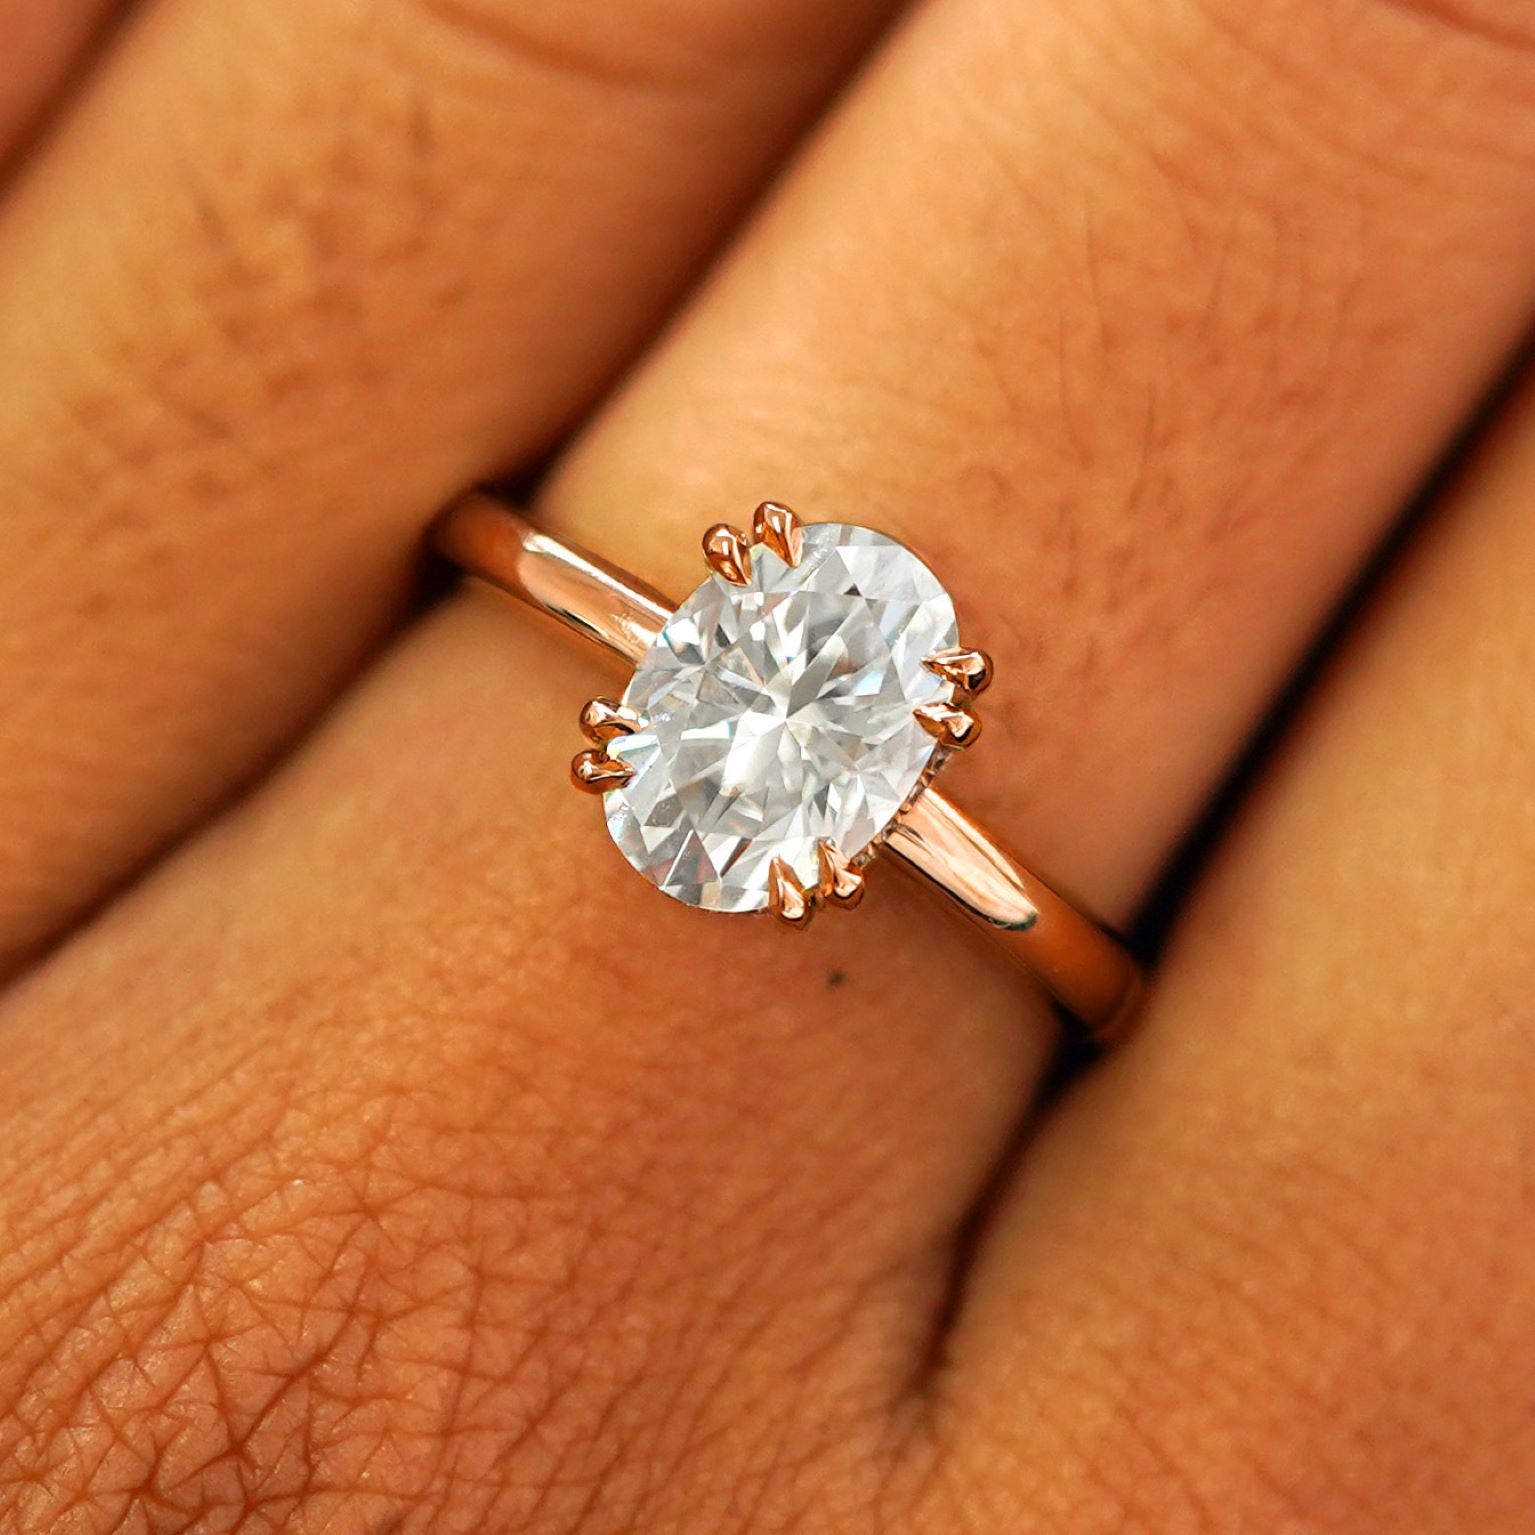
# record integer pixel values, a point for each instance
(378, 1154)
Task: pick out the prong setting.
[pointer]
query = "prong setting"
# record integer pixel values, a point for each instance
(727, 551)
(778, 528)
(605, 719)
(777, 810)
(596, 773)
(969, 670)
(842, 882)
(788, 899)
(952, 726)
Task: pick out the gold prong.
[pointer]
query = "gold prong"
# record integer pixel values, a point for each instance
(781, 530)
(596, 772)
(604, 718)
(969, 670)
(953, 727)
(788, 900)
(841, 883)
(728, 552)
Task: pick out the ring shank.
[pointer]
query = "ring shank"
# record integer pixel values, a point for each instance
(1081, 966)
(1088, 972)
(488, 539)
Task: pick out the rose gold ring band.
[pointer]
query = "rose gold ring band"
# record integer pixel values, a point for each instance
(1082, 966)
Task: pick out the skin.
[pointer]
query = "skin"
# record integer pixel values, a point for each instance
(44, 45)
(376, 1154)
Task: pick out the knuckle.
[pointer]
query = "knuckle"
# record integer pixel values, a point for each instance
(285, 265)
(262, 1344)
(375, 1325)
(304, 255)
(292, 1335)
(341, 230)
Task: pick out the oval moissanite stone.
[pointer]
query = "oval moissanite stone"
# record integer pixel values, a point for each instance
(779, 713)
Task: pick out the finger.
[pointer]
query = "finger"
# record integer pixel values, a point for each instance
(477, 1189)
(39, 44)
(673, 1218)
(1164, 377)
(291, 275)
(1282, 1250)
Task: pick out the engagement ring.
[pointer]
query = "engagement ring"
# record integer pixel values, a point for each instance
(784, 725)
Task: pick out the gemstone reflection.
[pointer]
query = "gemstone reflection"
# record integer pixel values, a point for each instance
(779, 713)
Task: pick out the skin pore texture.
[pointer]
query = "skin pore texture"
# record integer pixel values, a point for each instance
(378, 1154)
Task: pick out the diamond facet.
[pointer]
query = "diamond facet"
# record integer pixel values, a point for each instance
(778, 713)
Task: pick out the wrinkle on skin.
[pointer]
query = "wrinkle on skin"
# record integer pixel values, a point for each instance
(385, 1160)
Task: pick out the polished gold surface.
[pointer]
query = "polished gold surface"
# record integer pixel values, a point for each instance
(969, 670)
(1081, 965)
(596, 772)
(949, 724)
(728, 553)
(487, 538)
(788, 900)
(841, 883)
(605, 719)
(780, 530)
(1085, 969)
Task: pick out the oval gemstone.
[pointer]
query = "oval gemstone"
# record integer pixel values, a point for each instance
(779, 713)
